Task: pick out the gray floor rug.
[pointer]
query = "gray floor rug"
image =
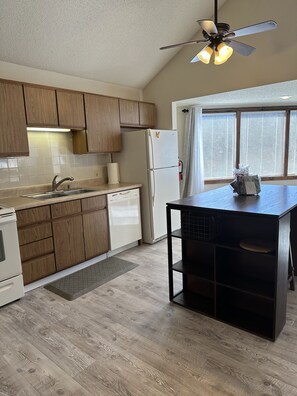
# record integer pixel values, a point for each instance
(87, 279)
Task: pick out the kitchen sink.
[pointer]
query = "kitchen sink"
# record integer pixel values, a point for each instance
(58, 194)
(78, 191)
(46, 195)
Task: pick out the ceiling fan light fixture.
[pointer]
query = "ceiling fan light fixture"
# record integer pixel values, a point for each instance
(224, 50)
(222, 53)
(218, 60)
(205, 54)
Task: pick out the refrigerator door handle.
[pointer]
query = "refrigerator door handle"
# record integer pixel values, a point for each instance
(153, 184)
(152, 165)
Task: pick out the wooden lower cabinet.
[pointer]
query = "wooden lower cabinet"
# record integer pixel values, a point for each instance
(58, 236)
(80, 230)
(96, 233)
(36, 243)
(36, 249)
(38, 268)
(69, 241)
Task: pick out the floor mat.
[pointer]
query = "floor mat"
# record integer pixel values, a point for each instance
(75, 285)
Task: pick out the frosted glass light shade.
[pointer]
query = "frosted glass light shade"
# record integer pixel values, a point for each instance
(205, 54)
(222, 54)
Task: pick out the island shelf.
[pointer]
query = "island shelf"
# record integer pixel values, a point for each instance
(243, 287)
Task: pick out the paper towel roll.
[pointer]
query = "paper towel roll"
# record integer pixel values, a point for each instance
(113, 173)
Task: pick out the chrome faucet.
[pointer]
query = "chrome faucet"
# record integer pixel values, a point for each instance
(56, 184)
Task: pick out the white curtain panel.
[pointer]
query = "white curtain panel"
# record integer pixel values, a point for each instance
(193, 175)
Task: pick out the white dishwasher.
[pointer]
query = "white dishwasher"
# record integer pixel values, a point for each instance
(124, 218)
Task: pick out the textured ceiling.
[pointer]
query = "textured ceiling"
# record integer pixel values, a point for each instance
(279, 94)
(114, 41)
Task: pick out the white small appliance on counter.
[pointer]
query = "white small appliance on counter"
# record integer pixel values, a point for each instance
(11, 278)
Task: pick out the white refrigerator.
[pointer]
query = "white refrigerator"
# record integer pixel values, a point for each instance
(150, 157)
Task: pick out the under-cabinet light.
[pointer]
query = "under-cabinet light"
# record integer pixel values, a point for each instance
(37, 129)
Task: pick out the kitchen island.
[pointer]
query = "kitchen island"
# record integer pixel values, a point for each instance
(234, 256)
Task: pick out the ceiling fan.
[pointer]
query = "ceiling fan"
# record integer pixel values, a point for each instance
(219, 39)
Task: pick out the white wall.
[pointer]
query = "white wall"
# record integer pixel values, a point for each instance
(10, 71)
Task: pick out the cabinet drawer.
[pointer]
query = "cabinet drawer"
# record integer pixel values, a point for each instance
(38, 268)
(94, 203)
(36, 249)
(65, 209)
(34, 215)
(34, 233)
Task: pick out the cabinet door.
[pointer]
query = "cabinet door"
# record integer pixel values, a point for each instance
(69, 242)
(71, 109)
(129, 112)
(147, 114)
(103, 124)
(38, 268)
(13, 133)
(95, 233)
(41, 106)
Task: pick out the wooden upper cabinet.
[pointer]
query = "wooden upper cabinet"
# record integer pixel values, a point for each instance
(129, 112)
(13, 133)
(147, 114)
(103, 133)
(41, 106)
(137, 114)
(71, 109)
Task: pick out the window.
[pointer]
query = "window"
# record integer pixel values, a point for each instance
(292, 161)
(262, 141)
(218, 134)
(258, 138)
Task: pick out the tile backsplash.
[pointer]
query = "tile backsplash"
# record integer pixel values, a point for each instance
(50, 154)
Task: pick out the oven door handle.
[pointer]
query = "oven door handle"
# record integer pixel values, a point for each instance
(7, 218)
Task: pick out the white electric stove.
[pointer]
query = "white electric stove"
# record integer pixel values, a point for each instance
(11, 278)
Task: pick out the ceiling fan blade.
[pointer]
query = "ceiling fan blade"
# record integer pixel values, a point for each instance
(195, 59)
(241, 48)
(208, 26)
(185, 43)
(257, 28)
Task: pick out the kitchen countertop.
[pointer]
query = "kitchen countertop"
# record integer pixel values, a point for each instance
(19, 202)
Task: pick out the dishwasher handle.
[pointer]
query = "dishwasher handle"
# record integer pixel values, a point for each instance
(123, 195)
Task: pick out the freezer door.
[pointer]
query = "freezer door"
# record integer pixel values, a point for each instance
(164, 188)
(162, 148)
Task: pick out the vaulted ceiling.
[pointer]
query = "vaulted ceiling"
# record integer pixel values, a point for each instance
(114, 41)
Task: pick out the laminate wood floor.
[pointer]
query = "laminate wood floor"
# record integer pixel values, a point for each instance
(126, 338)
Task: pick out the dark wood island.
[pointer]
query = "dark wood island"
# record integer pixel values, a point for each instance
(244, 287)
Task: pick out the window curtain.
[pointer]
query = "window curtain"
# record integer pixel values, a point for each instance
(193, 165)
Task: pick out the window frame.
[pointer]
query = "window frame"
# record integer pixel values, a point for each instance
(238, 111)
